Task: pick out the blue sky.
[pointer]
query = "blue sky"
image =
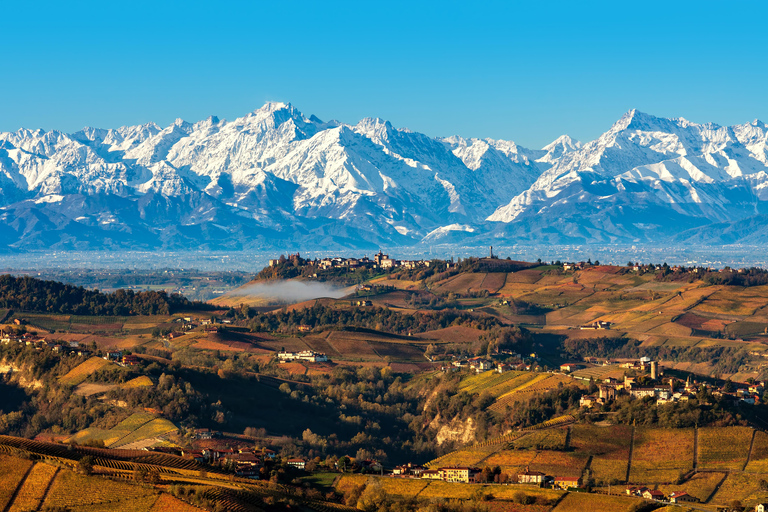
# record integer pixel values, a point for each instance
(523, 71)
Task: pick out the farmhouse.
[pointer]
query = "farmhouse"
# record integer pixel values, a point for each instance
(531, 477)
(304, 355)
(597, 324)
(458, 474)
(682, 497)
(651, 494)
(297, 463)
(566, 482)
(431, 474)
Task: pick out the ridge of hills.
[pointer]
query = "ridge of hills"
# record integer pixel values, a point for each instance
(386, 393)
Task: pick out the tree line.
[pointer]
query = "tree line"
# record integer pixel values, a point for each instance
(30, 294)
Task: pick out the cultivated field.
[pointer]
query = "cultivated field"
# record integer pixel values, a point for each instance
(609, 448)
(701, 485)
(724, 447)
(79, 492)
(758, 462)
(497, 384)
(578, 502)
(741, 486)
(32, 492)
(81, 372)
(661, 456)
(139, 426)
(12, 470)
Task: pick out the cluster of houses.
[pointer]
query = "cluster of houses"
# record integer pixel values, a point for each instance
(653, 494)
(247, 463)
(514, 361)
(664, 390)
(122, 359)
(596, 325)
(33, 340)
(470, 475)
(305, 355)
(380, 260)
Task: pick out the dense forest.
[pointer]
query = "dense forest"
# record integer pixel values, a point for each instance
(30, 294)
(380, 319)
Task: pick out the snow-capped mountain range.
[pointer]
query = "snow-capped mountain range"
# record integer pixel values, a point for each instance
(275, 178)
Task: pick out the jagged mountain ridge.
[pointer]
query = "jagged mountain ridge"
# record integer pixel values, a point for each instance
(275, 177)
(645, 179)
(270, 177)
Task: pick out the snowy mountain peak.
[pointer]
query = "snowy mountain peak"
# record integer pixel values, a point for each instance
(562, 143)
(276, 177)
(273, 106)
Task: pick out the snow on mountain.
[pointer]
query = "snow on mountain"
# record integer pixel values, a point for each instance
(703, 172)
(275, 177)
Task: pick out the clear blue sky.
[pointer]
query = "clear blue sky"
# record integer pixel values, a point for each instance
(524, 71)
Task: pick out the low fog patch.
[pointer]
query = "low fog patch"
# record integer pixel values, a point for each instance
(291, 291)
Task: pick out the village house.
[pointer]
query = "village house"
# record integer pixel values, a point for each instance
(566, 482)
(596, 325)
(297, 463)
(408, 469)
(130, 360)
(304, 355)
(682, 497)
(642, 392)
(431, 474)
(458, 474)
(570, 367)
(761, 507)
(480, 365)
(652, 494)
(531, 477)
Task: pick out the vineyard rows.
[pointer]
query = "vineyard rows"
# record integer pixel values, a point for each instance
(554, 422)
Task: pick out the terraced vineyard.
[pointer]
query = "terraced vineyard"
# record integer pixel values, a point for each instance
(167, 503)
(550, 439)
(609, 448)
(33, 490)
(542, 382)
(724, 447)
(137, 427)
(495, 383)
(156, 427)
(661, 456)
(701, 485)
(758, 462)
(578, 502)
(511, 461)
(12, 470)
(79, 373)
(71, 490)
(468, 457)
(741, 486)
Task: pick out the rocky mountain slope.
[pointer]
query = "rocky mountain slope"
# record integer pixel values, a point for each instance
(276, 178)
